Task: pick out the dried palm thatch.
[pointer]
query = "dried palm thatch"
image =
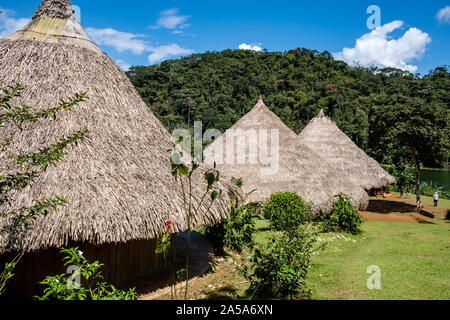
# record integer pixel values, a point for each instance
(299, 168)
(118, 180)
(324, 137)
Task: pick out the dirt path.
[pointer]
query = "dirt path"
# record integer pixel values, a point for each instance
(396, 209)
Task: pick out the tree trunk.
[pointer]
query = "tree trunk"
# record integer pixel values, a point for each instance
(417, 167)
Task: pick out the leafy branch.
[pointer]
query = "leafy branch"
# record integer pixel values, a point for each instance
(182, 172)
(20, 171)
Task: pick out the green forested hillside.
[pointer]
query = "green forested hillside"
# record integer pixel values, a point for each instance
(220, 87)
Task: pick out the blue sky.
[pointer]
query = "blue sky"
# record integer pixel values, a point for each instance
(413, 35)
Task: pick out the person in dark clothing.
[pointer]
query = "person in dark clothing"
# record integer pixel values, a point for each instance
(401, 192)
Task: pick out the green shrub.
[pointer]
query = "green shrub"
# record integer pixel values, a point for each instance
(428, 189)
(279, 269)
(61, 287)
(285, 210)
(391, 188)
(343, 217)
(235, 233)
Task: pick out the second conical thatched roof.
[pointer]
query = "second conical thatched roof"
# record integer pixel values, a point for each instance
(324, 137)
(299, 168)
(118, 180)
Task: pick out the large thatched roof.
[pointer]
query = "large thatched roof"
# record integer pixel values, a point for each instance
(299, 168)
(118, 180)
(327, 140)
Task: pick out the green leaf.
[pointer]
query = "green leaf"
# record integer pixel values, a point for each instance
(183, 169)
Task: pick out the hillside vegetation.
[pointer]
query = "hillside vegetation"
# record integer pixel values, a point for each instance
(218, 88)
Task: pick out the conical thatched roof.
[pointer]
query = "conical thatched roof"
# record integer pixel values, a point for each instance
(118, 180)
(299, 168)
(324, 137)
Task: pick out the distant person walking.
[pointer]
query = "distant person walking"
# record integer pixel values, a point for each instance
(436, 198)
(401, 192)
(408, 193)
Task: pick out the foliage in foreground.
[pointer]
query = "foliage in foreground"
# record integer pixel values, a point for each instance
(343, 217)
(184, 175)
(7, 273)
(279, 268)
(89, 284)
(22, 170)
(236, 232)
(285, 210)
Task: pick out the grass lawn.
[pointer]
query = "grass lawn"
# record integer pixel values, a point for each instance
(414, 260)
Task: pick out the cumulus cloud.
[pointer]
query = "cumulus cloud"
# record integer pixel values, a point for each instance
(121, 41)
(8, 24)
(377, 48)
(163, 52)
(443, 15)
(245, 46)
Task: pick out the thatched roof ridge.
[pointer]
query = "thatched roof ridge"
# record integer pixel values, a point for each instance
(55, 22)
(300, 169)
(118, 180)
(327, 140)
(61, 9)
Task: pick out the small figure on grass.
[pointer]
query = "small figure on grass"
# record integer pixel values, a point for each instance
(436, 198)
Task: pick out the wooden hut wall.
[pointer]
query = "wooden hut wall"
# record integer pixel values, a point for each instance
(122, 262)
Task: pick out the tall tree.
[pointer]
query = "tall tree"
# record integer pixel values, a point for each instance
(414, 131)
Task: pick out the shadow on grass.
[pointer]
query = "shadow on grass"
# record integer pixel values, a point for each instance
(386, 207)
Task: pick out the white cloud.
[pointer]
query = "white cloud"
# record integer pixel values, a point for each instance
(123, 65)
(443, 15)
(9, 25)
(163, 52)
(124, 41)
(121, 41)
(170, 19)
(377, 48)
(244, 46)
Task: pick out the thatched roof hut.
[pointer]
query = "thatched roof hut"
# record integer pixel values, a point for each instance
(324, 137)
(118, 180)
(297, 167)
